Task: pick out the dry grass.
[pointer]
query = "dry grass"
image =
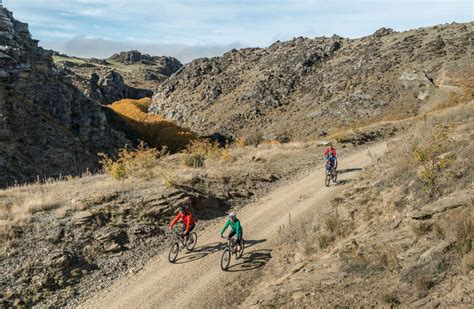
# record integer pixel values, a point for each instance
(198, 150)
(19, 211)
(463, 226)
(154, 129)
(20, 204)
(138, 163)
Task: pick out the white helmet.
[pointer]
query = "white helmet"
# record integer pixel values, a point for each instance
(232, 214)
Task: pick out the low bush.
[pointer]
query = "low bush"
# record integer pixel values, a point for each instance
(194, 160)
(434, 159)
(137, 162)
(198, 150)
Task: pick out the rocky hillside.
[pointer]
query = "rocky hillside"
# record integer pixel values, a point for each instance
(303, 86)
(126, 75)
(47, 126)
(402, 234)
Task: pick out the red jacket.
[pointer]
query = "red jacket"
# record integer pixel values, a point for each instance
(187, 219)
(330, 148)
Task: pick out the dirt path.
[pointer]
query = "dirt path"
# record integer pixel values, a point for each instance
(196, 279)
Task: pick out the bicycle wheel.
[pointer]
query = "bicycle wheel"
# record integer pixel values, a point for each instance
(225, 259)
(173, 252)
(192, 240)
(334, 176)
(328, 180)
(241, 252)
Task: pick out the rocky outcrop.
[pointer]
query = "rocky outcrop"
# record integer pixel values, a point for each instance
(303, 86)
(128, 75)
(47, 126)
(108, 87)
(166, 65)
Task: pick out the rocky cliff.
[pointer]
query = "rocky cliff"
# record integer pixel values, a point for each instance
(47, 126)
(130, 74)
(303, 86)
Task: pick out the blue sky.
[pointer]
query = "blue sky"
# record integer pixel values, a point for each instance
(194, 28)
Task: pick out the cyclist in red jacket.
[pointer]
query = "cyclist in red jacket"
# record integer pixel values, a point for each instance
(328, 151)
(187, 218)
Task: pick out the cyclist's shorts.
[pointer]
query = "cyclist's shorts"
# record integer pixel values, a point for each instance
(191, 228)
(239, 239)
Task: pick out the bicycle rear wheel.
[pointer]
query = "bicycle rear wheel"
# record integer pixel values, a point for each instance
(334, 176)
(191, 242)
(225, 259)
(173, 252)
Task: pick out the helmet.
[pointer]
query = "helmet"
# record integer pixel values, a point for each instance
(330, 144)
(181, 209)
(232, 215)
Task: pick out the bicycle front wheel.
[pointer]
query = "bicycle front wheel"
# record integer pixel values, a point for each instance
(242, 247)
(192, 240)
(225, 259)
(173, 252)
(328, 180)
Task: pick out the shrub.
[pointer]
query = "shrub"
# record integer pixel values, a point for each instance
(433, 159)
(332, 223)
(197, 151)
(226, 156)
(391, 298)
(137, 162)
(194, 160)
(324, 240)
(240, 142)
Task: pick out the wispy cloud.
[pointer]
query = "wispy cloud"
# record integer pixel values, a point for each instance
(213, 24)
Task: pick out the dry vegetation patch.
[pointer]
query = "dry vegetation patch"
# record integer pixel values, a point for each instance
(154, 129)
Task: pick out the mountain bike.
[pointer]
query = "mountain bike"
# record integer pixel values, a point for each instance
(331, 174)
(231, 248)
(177, 242)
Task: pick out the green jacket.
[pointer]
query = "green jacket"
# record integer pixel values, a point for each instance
(235, 226)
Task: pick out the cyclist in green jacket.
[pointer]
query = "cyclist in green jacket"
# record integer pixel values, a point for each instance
(236, 229)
